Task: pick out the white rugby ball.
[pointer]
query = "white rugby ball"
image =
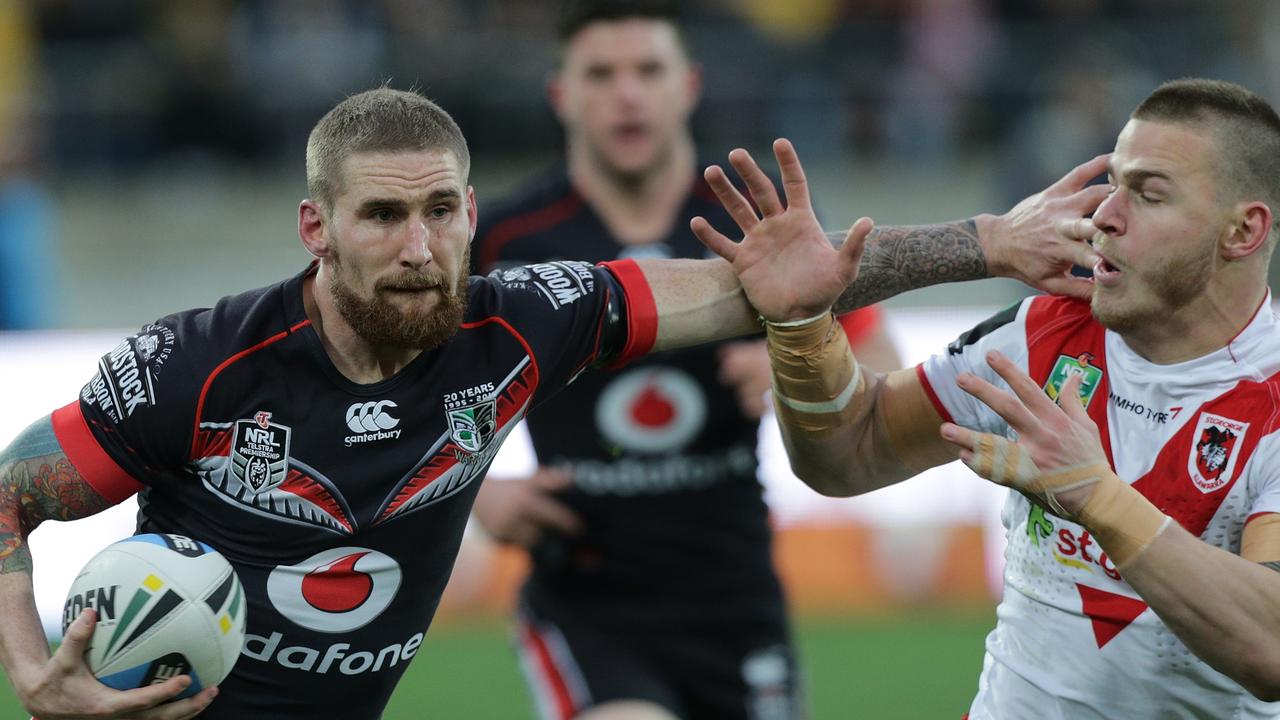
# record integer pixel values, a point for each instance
(167, 605)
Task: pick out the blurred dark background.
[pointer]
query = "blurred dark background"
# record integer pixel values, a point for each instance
(156, 147)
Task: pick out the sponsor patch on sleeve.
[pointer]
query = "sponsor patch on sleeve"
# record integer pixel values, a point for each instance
(560, 283)
(126, 377)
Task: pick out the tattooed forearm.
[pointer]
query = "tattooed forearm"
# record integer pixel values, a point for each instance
(898, 259)
(37, 483)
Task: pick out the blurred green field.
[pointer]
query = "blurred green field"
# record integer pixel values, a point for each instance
(902, 667)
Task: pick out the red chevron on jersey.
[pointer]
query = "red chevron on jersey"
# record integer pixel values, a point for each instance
(311, 493)
(1110, 613)
(472, 441)
(212, 440)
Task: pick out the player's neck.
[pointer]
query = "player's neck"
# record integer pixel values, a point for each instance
(1207, 324)
(638, 208)
(350, 354)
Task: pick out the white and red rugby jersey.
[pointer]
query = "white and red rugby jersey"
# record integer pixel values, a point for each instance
(1197, 438)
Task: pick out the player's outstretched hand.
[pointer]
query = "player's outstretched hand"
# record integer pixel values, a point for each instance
(1058, 454)
(785, 262)
(521, 510)
(66, 689)
(1039, 240)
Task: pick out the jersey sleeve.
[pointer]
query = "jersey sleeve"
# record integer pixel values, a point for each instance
(860, 323)
(134, 418)
(573, 315)
(1005, 331)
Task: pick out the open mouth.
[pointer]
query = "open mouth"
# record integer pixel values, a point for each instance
(1105, 272)
(631, 131)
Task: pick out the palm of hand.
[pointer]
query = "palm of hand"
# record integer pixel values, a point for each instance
(785, 263)
(788, 268)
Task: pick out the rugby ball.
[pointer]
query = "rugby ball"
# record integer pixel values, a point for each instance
(167, 605)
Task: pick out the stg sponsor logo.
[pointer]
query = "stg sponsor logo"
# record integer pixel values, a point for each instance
(335, 591)
(1076, 550)
(371, 422)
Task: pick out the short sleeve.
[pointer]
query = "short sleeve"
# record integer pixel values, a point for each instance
(1005, 331)
(134, 417)
(573, 315)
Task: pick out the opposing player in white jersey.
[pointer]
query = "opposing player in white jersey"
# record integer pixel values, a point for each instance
(1144, 542)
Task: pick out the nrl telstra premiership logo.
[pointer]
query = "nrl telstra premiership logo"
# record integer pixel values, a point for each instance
(1067, 366)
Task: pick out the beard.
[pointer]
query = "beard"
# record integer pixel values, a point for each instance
(1173, 285)
(382, 323)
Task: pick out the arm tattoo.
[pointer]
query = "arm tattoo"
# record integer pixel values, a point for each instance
(37, 483)
(1273, 565)
(898, 259)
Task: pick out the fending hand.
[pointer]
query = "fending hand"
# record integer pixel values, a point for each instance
(1042, 237)
(786, 264)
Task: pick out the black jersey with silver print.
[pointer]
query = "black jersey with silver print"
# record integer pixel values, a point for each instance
(340, 505)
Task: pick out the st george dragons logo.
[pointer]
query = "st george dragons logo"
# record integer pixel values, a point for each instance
(1214, 452)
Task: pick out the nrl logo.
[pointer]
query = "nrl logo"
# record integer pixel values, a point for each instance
(1213, 455)
(471, 427)
(1068, 366)
(260, 452)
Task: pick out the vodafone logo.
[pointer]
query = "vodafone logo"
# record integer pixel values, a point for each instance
(652, 410)
(337, 590)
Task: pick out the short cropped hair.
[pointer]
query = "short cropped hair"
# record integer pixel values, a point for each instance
(1247, 129)
(379, 120)
(577, 14)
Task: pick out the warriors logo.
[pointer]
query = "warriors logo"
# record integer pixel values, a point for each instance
(1213, 457)
(472, 426)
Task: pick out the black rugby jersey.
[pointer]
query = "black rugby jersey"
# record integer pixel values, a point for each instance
(662, 458)
(340, 505)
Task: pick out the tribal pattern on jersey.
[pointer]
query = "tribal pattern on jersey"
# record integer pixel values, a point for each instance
(340, 505)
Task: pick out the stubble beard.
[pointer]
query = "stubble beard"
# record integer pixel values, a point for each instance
(1174, 285)
(382, 323)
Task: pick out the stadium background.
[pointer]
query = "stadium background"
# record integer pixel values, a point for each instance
(151, 160)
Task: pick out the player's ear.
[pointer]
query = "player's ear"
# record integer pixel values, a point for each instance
(473, 212)
(1249, 232)
(313, 228)
(555, 93)
(693, 85)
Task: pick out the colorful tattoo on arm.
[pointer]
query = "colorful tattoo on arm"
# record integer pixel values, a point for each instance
(38, 483)
(898, 259)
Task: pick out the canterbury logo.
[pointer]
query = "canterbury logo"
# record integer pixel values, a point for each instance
(371, 417)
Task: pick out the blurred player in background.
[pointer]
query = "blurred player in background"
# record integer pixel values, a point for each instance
(1144, 542)
(652, 579)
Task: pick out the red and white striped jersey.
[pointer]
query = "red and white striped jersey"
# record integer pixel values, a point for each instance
(1197, 438)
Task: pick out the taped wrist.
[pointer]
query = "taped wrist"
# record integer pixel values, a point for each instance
(1003, 461)
(817, 384)
(1124, 522)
